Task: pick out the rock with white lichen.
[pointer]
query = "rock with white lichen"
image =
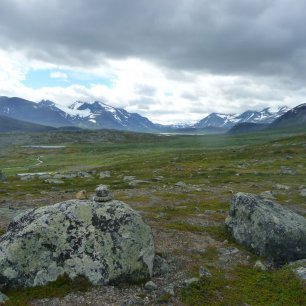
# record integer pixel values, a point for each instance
(105, 242)
(268, 228)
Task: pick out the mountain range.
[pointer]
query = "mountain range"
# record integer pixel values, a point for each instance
(98, 115)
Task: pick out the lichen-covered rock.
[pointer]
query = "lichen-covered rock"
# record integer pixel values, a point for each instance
(104, 243)
(268, 228)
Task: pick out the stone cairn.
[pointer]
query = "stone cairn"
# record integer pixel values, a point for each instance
(102, 194)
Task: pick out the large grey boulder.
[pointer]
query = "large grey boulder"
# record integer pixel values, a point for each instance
(105, 242)
(268, 228)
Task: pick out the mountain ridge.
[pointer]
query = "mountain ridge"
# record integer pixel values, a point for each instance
(99, 115)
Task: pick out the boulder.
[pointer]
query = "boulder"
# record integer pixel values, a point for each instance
(267, 228)
(105, 242)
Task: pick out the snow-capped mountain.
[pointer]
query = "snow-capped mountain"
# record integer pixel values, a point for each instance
(294, 118)
(96, 115)
(229, 120)
(100, 115)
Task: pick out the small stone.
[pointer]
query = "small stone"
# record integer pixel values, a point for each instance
(203, 272)
(160, 266)
(3, 298)
(259, 265)
(81, 195)
(267, 195)
(103, 194)
(299, 268)
(169, 290)
(151, 286)
(281, 187)
(2, 176)
(287, 170)
(303, 193)
(84, 174)
(129, 178)
(135, 183)
(54, 181)
(191, 281)
(105, 174)
(301, 273)
(180, 184)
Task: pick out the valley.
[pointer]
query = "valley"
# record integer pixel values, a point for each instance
(182, 186)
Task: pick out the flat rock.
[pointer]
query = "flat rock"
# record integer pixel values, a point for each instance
(105, 243)
(54, 181)
(281, 187)
(267, 195)
(105, 174)
(284, 170)
(268, 228)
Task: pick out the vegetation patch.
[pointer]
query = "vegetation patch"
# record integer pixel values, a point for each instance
(246, 285)
(59, 288)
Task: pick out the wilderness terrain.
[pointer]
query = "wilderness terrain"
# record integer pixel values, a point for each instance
(182, 186)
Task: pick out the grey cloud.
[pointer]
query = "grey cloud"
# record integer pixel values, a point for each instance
(263, 37)
(146, 90)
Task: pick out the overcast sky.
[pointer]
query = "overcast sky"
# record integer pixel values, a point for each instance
(169, 60)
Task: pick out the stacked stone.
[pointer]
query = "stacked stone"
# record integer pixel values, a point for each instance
(103, 194)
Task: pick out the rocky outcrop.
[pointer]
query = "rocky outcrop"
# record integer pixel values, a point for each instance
(268, 228)
(105, 242)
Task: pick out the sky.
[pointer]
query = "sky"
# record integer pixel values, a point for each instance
(169, 60)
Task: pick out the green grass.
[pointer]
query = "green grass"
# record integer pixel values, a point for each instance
(59, 288)
(246, 285)
(212, 163)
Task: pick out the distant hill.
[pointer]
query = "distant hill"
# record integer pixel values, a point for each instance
(247, 127)
(295, 118)
(9, 124)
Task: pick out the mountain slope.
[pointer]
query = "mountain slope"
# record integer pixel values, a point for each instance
(294, 118)
(99, 115)
(229, 120)
(39, 113)
(96, 115)
(9, 124)
(247, 127)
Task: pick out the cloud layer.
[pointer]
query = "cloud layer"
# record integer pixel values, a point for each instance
(192, 55)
